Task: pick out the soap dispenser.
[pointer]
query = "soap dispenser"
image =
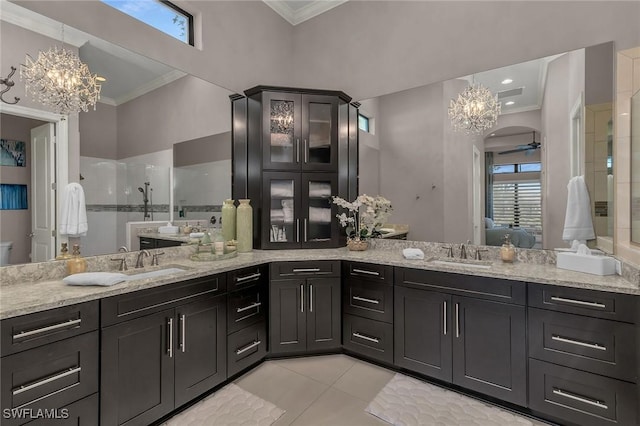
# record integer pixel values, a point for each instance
(507, 251)
(77, 263)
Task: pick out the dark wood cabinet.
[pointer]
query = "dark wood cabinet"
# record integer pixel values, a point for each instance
(80, 413)
(305, 309)
(293, 149)
(476, 343)
(153, 243)
(368, 338)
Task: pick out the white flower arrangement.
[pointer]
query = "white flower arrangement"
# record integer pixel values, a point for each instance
(363, 216)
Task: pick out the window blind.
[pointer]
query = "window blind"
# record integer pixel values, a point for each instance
(518, 204)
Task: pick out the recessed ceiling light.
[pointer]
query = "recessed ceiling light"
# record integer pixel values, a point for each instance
(624, 113)
(492, 134)
(507, 81)
(509, 103)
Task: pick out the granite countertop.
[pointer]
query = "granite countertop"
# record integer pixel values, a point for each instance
(45, 290)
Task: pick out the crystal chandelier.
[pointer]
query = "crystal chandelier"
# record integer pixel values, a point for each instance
(60, 81)
(475, 110)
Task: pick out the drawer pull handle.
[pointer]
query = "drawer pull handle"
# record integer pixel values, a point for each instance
(361, 336)
(246, 308)
(589, 401)
(444, 317)
(170, 339)
(310, 297)
(364, 299)
(306, 270)
(183, 333)
(248, 277)
(579, 343)
(578, 302)
(362, 271)
(246, 348)
(457, 320)
(302, 298)
(67, 324)
(49, 379)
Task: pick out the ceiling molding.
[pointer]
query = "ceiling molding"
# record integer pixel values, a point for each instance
(152, 85)
(299, 15)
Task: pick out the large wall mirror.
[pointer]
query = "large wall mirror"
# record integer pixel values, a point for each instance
(126, 158)
(556, 122)
(635, 168)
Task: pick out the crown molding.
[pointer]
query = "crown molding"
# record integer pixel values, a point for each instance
(295, 17)
(152, 85)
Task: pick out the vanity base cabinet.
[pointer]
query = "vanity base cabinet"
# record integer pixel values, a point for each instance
(80, 413)
(369, 338)
(288, 324)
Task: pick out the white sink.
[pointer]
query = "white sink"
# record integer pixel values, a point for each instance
(156, 273)
(478, 264)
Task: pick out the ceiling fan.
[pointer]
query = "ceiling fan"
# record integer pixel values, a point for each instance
(528, 148)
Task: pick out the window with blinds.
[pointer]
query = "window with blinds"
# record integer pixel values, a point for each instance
(518, 204)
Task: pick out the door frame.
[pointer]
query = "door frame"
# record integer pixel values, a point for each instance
(60, 149)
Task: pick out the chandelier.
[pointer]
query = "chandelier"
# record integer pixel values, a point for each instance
(60, 81)
(475, 110)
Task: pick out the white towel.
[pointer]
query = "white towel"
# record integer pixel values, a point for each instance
(413, 253)
(578, 224)
(73, 212)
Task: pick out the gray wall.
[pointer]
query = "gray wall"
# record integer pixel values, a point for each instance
(369, 150)
(99, 132)
(202, 150)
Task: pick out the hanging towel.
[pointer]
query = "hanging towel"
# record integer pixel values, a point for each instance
(73, 212)
(578, 224)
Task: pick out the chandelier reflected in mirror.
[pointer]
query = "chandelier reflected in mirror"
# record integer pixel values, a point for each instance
(475, 110)
(61, 81)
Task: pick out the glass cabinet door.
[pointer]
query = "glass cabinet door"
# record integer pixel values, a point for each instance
(320, 132)
(319, 223)
(281, 218)
(281, 131)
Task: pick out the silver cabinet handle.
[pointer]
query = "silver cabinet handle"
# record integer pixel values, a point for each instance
(578, 343)
(246, 308)
(305, 229)
(362, 271)
(67, 324)
(578, 302)
(49, 379)
(248, 277)
(364, 299)
(302, 298)
(297, 232)
(444, 318)
(589, 401)
(310, 297)
(457, 320)
(306, 151)
(170, 342)
(183, 333)
(361, 336)
(306, 270)
(246, 348)
(297, 150)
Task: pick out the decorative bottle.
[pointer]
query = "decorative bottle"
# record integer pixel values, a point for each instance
(244, 225)
(77, 263)
(507, 251)
(218, 243)
(64, 252)
(228, 220)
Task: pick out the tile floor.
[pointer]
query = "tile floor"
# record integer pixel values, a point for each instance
(322, 390)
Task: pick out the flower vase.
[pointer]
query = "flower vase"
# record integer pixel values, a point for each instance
(244, 226)
(228, 220)
(357, 244)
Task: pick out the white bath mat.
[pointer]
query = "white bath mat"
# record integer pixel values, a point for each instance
(230, 406)
(406, 401)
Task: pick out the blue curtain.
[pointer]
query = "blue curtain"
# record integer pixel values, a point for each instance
(13, 197)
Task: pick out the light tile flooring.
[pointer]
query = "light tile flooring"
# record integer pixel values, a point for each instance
(322, 390)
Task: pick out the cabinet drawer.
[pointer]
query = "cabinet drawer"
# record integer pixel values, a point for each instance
(139, 303)
(505, 291)
(591, 344)
(368, 271)
(581, 398)
(29, 331)
(246, 307)
(370, 338)
(50, 376)
(305, 269)
(599, 304)
(80, 413)
(246, 347)
(246, 277)
(368, 299)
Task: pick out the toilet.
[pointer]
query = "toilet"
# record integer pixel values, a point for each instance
(5, 252)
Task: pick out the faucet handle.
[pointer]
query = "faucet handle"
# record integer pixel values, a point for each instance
(449, 250)
(154, 259)
(478, 251)
(123, 263)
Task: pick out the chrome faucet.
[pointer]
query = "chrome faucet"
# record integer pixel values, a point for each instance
(154, 259)
(140, 260)
(463, 251)
(449, 250)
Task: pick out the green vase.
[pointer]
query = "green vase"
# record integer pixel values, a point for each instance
(244, 225)
(228, 220)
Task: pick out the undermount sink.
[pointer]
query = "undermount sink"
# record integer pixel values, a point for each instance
(143, 274)
(463, 263)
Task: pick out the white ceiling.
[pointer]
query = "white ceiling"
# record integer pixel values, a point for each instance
(297, 11)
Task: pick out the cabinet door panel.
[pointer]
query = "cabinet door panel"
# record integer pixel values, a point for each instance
(281, 210)
(281, 131)
(489, 348)
(246, 347)
(323, 317)
(367, 337)
(201, 349)
(288, 326)
(422, 328)
(319, 132)
(319, 225)
(137, 379)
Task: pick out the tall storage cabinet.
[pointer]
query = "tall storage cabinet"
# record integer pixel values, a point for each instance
(293, 149)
